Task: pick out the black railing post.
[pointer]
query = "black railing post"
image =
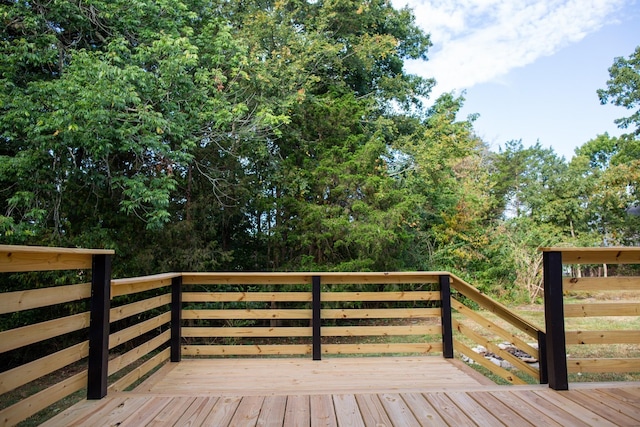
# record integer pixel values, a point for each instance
(447, 328)
(542, 357)
(554, 321)
(316, 317)
(176, 318)
(99, 327)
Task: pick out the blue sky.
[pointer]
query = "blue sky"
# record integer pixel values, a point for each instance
(530, 68)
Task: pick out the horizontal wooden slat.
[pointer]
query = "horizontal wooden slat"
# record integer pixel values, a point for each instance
(493, 328)
(246, 296)
(381, 296)
(37, 402)
(247, 314)
(494, 307)
(306, 296)
(39, 258)
(602, 309)
(134, 331)
(25, 335)
(398, 277)
(480, 360)
(601, 283)
(479, 339)
(16, 377)
(613, 255)
(362, 331)
(245, 350)
(140, 371)
(35, 298)
(381, 348)
(327, 278)
(603, 365)
(327, 331)
(53, 250)
(381, 313)
(124, 311)
(246, 278)
(246, 332)
(603, 337)
(140, 284)
(118, 363)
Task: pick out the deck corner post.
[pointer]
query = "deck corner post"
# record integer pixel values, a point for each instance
(556, 348)
(99, 327)
(447, 328)
(316, 318)
(176, 318)
(542, 358)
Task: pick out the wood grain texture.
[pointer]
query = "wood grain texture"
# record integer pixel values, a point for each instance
(14, 258)
(601, 283)
(35, 298)
(300, 392)
(612, 255)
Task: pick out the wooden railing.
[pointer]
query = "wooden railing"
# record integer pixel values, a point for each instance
(135, 325)
(128, 318)
(303, 313)
(31, 259)
(490, 335)
(556, 311)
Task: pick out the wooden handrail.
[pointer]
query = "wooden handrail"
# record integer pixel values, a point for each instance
(300, 278)
(608, 255)
(495, 307)
(15, 259)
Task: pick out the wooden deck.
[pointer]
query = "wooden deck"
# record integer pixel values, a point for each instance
(376, 391)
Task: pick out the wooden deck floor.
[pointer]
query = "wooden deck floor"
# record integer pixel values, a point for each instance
(349, 392)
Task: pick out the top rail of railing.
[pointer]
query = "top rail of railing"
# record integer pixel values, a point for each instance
(608, 255)
(15, 259)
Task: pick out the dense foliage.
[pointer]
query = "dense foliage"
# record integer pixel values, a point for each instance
(280, 135)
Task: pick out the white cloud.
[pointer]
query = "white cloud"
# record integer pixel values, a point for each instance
(477, 41)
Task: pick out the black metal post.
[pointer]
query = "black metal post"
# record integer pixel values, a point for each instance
(542, 357)
(554, 321)
(176, 318)
(99, 327)
(447, 328)
(316, 317)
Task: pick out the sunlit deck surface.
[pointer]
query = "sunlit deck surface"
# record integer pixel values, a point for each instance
(365, 391)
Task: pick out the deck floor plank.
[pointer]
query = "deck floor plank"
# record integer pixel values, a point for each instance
(323, 413)
(372, 411)
(222, 412)
(476, 412)
(340, 392)
(622, 395)
(541, 409)
(298, 412)
(398, 410)
(121, 412)
(172, 412)
(587, 399)
(499, 409)
(146, 413)
(449, 411)
(581, 412)
(347, 410)
(272, 413)
(248, 411)
(426, 414)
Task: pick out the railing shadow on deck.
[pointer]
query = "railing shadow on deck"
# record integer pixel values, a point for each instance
(135, 325)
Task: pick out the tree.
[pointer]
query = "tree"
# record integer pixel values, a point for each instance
(623, 89)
